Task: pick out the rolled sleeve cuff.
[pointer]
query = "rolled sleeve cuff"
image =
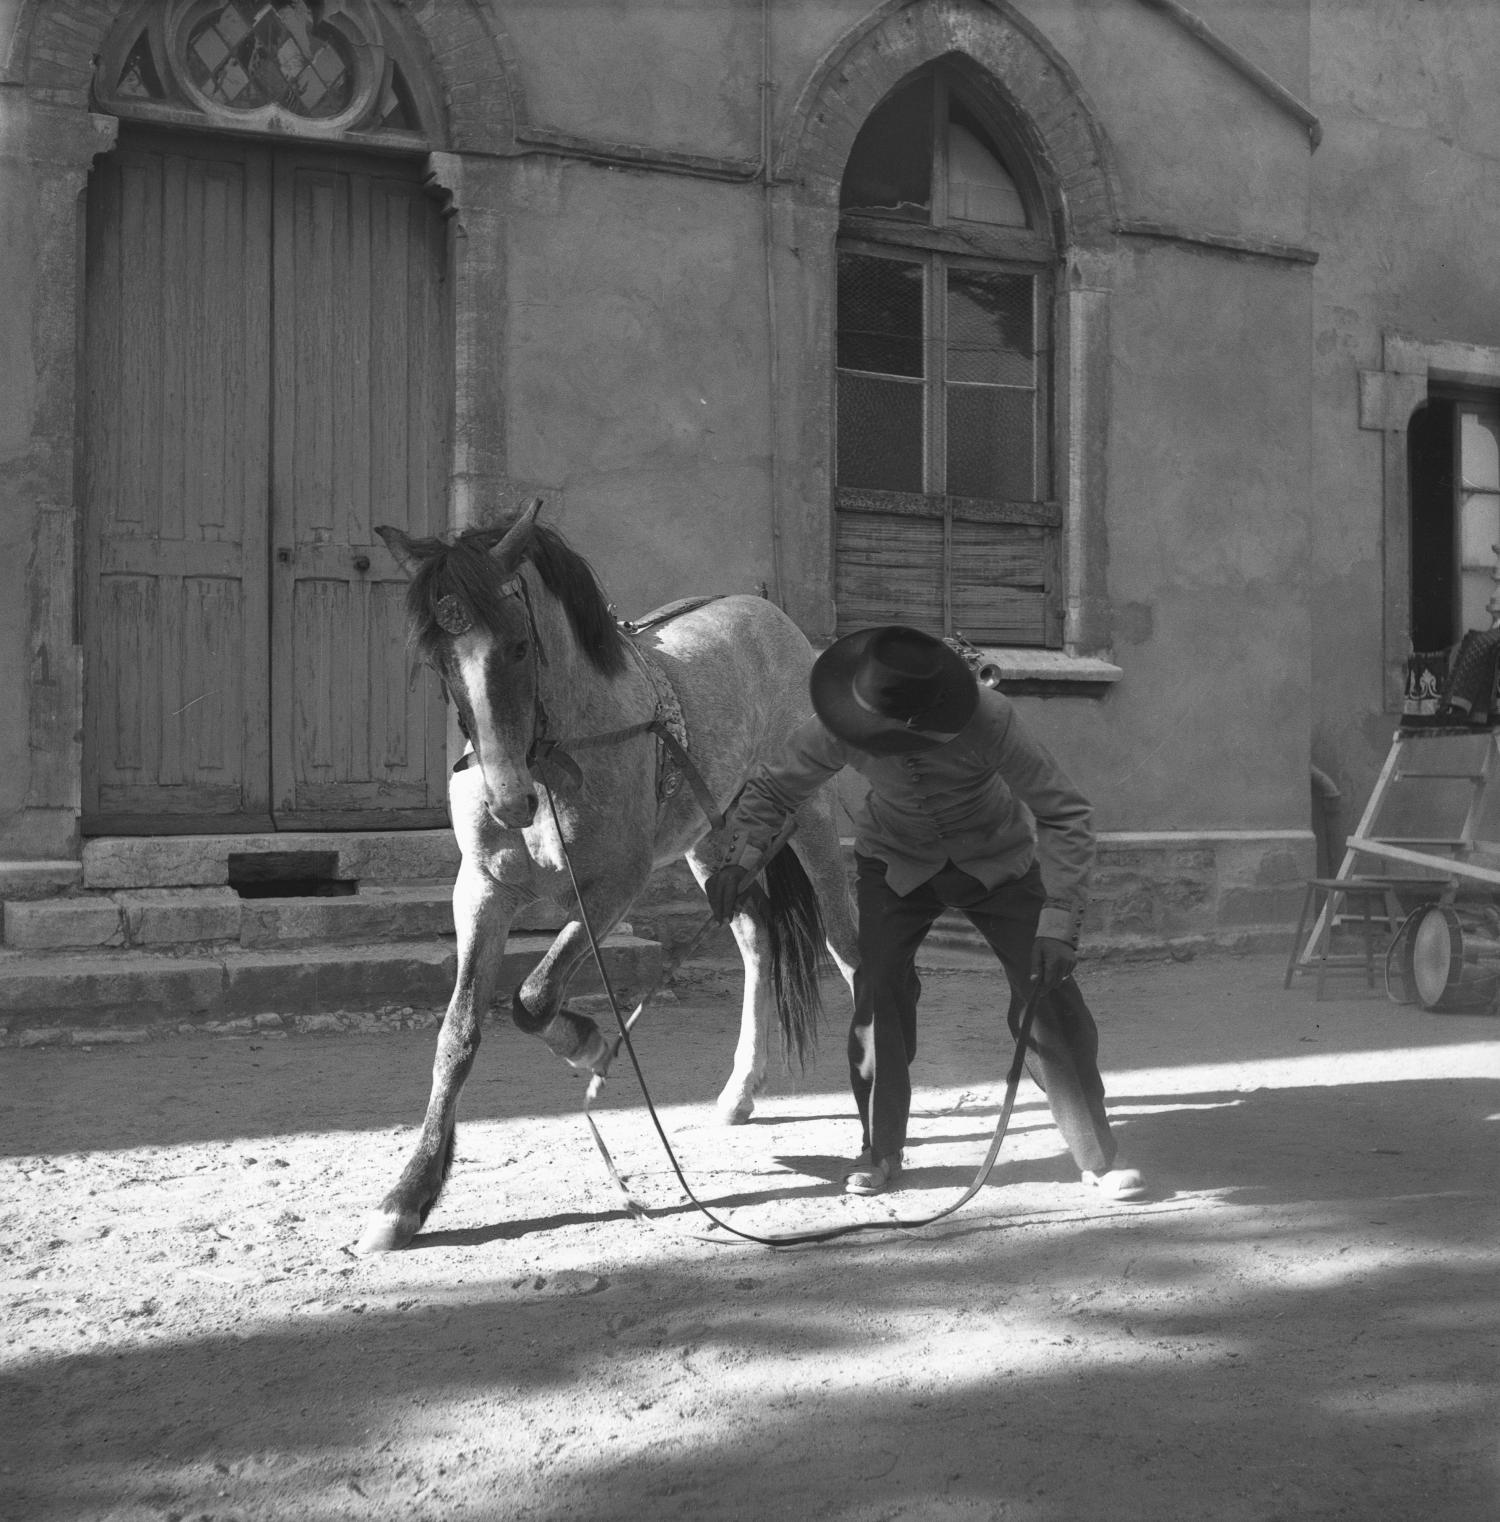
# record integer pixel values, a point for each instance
(1061, 922)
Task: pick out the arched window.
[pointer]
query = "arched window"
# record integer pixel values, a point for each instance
(946, 513)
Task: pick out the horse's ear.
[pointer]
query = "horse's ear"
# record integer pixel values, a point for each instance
(508, 551)
(399, 545)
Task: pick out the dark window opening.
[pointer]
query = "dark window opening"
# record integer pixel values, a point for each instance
(1453, 454)
(1434, 565)
(288, 874)
(890, 167)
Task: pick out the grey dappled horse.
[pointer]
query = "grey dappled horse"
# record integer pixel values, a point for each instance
(555, 697)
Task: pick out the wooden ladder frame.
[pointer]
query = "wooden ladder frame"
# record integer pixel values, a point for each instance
(1403, 849)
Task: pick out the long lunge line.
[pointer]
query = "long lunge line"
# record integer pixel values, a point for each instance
(642, 1212)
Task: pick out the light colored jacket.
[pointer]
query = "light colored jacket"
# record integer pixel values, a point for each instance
(959, 801)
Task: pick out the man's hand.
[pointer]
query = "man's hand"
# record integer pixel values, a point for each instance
(724, 889)
(1051, 962)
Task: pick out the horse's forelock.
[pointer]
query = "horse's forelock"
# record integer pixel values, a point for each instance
(452, 577)
(464, 569)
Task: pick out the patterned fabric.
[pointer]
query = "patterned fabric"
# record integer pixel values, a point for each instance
(1470, 698)
(669, 713)
(1426, 682)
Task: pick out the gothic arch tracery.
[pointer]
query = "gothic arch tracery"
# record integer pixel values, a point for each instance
(1024, 81)
(455, 65)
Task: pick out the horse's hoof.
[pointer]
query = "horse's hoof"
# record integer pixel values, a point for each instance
(737, 1114)
(386, 1232)
(594, 1056)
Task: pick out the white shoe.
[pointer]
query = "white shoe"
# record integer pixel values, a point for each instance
(866, 1176)
(1118, 1183)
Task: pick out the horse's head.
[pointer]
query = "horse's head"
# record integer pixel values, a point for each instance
(485, 610)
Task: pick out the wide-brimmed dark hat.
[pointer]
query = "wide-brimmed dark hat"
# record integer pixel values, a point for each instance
(876, 688)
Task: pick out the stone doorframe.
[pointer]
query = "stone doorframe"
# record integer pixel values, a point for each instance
(1031, 88)
(50, 60)
(1387, 398)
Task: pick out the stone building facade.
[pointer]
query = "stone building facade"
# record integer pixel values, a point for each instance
(1205, 261)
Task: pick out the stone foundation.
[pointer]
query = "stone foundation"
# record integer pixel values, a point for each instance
(1151, 891)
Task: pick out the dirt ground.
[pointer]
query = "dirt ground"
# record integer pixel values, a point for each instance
(1302, 1322)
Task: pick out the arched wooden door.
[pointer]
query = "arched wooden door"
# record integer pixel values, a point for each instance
(267, 378)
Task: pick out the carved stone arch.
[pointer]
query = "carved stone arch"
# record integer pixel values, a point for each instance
(998, 53)
(56, 44)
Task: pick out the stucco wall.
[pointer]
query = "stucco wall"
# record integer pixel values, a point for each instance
(639, 350)
(1407, 220)
(637, 373)
(18, 257)
(1192, 141)
(637, 358)
(1207, 553)
(17, 407)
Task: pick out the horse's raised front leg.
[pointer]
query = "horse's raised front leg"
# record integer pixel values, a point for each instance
(736, 1101)
(538, 1007)
(482, 912)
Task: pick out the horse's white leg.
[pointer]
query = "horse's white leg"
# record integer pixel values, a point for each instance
(736, 1102)
(482, 912)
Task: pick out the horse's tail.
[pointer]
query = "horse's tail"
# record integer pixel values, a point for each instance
(794, 927)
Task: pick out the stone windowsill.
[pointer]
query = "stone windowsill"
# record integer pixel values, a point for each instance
(1051, 671)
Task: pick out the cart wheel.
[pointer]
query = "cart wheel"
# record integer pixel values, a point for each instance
(1436, 971)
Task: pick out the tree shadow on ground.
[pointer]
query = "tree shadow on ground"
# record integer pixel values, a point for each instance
(1326, 1351)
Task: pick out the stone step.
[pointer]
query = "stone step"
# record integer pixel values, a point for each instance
(190, 861)
(124, 989)
(159, 917)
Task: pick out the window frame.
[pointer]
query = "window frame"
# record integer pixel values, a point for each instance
(940, 245)
(1411, 369)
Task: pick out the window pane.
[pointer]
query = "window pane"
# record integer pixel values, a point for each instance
(1479, 532)
(991, 443)
(880, 433)
(880, 315)
(980, 188)
(1479, 449)
(890, 165)
(1474, 593)
(247, 55)
(1480, 516)
(991, 332)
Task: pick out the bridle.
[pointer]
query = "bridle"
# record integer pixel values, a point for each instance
(549, 755)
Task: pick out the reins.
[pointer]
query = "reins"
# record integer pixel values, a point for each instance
(782, 1239)
(548, 751)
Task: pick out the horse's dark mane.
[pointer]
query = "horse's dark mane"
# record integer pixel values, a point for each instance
(464, 568)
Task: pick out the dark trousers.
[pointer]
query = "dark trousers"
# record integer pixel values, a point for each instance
(1062, 1055)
